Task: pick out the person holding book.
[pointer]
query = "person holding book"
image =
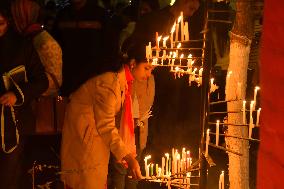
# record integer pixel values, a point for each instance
(22, 80)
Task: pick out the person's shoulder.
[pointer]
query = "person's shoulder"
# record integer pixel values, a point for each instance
(107, 79)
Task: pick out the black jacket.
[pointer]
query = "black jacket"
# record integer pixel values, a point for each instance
(16, 50)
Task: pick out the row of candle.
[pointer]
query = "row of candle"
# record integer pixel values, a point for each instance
(173, 164)
(172, 55)
(184, 36)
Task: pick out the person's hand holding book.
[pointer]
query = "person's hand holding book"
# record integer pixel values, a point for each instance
(8, 99)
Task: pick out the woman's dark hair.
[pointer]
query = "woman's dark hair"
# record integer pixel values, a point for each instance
(5, 9)
(137, 52)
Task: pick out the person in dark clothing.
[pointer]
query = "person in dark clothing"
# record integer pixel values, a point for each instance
(85, 42)
(17, 53)
(160, 21)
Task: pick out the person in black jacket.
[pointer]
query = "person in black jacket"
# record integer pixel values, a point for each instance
(17, 119)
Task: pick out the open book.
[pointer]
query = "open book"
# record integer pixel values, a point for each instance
(15, 76)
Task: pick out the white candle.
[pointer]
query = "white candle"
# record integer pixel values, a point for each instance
(178, 163)
(257, 117)
(181, 57)
(255, 95)
(159, 172)
(147, 171)
(207, 142)
(186, 33)
(244, 112)
(163, 165)
(188, 175)
(221, 181)
(187, 163)
(178, 46)
(217, 132)
(200, 76)
(189, 60)
(193, 76)
(157, 169)
(165, 41)
(177, 28)
(251, 119)
(167, 163)
(172, 35)
(158, 46)
(146, 165)
(182, 27)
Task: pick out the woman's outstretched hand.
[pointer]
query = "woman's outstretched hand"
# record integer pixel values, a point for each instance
(8, 99)
(133, 166)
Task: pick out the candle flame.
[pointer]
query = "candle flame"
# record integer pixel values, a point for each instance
(179, 45)
(179, 19)
(166, 38)
(159, 38)
(218, 122)
(212, 81)
(181, 56)
(189, 56)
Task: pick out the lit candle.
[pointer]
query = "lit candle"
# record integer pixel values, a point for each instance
(200, 76)
(221, 181)
(255, 95)
(177, 28)
(251, 119)
(172, 35)
(149, 51)
(182, 27)
(178, 46)
(178, 163)
(167, 163)
(181, 57)
(244, 112)
(147, 171)
(163, 165)
(189, 60)
(186, 33)
(157, 169)
(188, 175)
(165, 41)
(146, 165)
(217, 132)
(193, 74)
(152, 169)
(169, 172)
(159, 172)
(207, 142)
(158, 46)
(257, 117)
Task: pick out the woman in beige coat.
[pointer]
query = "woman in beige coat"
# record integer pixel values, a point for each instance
(90, 130)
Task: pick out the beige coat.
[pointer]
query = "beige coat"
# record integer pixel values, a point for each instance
(89, 132)
(145, 91)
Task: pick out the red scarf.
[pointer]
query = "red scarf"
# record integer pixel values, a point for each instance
(127, 122)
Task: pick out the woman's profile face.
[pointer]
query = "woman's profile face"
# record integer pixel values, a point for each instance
(3, 25)
(142, 71)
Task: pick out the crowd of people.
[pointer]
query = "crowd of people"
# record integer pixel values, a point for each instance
(97, 57)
